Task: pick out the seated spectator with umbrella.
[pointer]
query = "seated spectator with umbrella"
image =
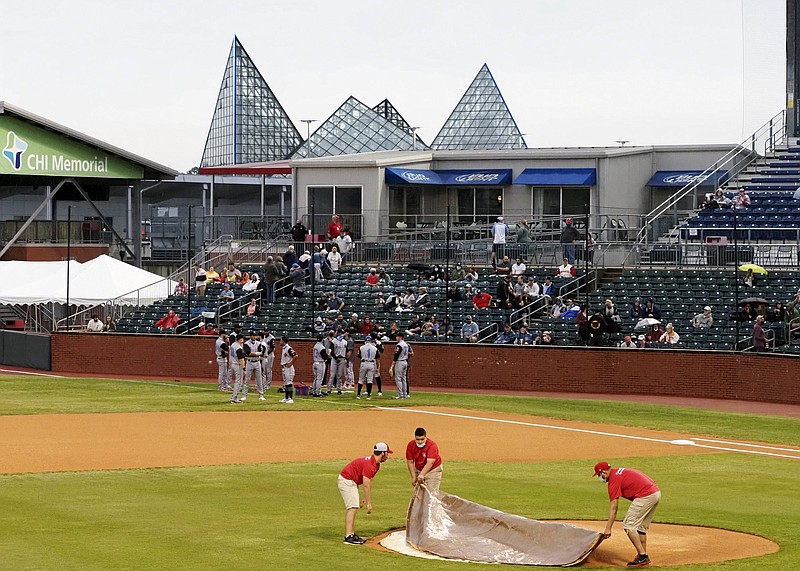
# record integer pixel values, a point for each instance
(751, 273)
(752, 307)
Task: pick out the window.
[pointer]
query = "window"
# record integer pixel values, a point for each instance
(478, 204)
(345, 201)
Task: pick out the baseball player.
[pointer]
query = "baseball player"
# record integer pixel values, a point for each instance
(237, 368)
(359, 472)
(338, 364)
(320, 358)
(350, 358)
(222, 353)
(367, 355)
(399, 368)
(288, 357)
(268, 357)
(378, 351)
(328, 343)
(252, 353)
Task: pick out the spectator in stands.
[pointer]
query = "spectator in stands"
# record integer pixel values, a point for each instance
(777, 313)
(200, 278)
(568, 237)
(710, 203)
(628, 343)
(334, 228)
(507, 336)
(367, 326)
(212, 276)
(207, 329)
(394, 301)
(748, 313)
(499, 231)
(518, 267)
(423, 299)
(354, 325)
(232, 274)
(545, 339)
(169, 321)
(653, 335)
(558, 308)
(750, 279)
(290, 257)
(385, 279)
(759, 336)
(571, 310)
(271, 275)
(226, 294)
(597, 327)
(304, 261)
(471, 275)
(109, 326)
(372, 278)
(253, 284)
(469, 330)
(523, 236)
(409, 300)
(245, 279)
(502, 268)
(703, 320)
(524, 337)
(742, 200)
(721, 200)
(415, 327)
(481, 300)
(181, 288)
(94, 325)
(566, 270)
(548, 289)
(445, 330)
(505, 293)
(458, 273)
(299, 233)
(670, 336)
(583, 326)
(640, 341)
(520, 295)
(611, 316)
(532, 289)
(344, 243)
(454, 293)
(438, 273)
(590, 245)
(637, 310)
(429, 327)
(252, 307)
(651, 309)
(792, 317)
(469, 291)
(335, 303)
(319, 325)
(334, 259)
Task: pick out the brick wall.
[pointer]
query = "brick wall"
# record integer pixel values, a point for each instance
(567, 369)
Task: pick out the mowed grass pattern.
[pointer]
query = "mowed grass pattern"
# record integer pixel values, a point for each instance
(290, 515)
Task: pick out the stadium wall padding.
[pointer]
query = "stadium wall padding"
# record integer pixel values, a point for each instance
(29, 350)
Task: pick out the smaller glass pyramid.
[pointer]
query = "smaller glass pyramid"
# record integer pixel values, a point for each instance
(355, 128)
(388, 111)
(481, 120)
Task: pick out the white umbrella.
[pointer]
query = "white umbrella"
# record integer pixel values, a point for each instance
(646, 323)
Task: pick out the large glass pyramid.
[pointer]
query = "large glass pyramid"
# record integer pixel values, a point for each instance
(355, 128)
(481, 120)
(388, 111)
(249, 124)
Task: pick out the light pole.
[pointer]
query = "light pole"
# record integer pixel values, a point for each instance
(414, 137)
(308, 131)
(621, 143)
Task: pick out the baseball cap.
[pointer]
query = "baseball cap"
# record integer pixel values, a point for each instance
(500, 218)
(354, 315)
(295, 265)
(382, 447)
(368, 338)
(600, 466)
(706, 308)
(569, 220)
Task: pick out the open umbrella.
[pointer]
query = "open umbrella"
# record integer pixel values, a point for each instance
(646, 323)
(755, 267)
(753, 301)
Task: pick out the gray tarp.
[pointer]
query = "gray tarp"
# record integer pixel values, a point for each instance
(452, 527)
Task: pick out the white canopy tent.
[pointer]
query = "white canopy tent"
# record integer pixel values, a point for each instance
(101, 280)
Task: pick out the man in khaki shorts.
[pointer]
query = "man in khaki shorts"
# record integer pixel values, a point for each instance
(424, 461)
(644, 495)
(360, 471)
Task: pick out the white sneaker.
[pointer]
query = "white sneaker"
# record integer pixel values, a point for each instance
(243, 399)
(282, 400)
(261, 397)
(289, 401)
(380, 394)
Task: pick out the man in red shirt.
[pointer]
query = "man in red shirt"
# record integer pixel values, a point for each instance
(481, 300)
(360, 471)
(424, 461)
(334, 228)
(644, 495)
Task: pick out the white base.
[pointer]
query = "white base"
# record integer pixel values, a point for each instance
(396, 541)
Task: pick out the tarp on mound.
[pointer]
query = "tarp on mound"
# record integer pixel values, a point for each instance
(452, 527)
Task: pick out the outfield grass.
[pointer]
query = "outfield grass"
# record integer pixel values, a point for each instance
(289, 515)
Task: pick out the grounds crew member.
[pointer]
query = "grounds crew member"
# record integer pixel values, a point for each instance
(359, 472)
(424, 461)
(644, 495)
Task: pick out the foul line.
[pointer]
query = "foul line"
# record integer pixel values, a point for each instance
(601, 433)
(14, 372)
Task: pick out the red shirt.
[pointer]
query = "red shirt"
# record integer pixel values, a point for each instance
(361, 468)
(629, 484)
(482, 301)
(334, 229)
(372, 279)
(366, 328)
(420, 455)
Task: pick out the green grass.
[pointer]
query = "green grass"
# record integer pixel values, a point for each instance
(289, 515)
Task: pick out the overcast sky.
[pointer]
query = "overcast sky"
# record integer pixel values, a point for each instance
(145, 75)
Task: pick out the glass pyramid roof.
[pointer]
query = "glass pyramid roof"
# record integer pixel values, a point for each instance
(355, 128)
(388, 111)
(481, 120)
(249, 124)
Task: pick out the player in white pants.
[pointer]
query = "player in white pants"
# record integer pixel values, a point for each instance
(318, 367)
(252, 353)
(288, 357)
(268, 357)
(399, 368)
(338, 364)
(367, 355)
(222, 350)
(237, 367)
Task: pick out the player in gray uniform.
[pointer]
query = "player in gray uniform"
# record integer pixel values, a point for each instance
(368, 355)
(237, 367)
(252, 353)
(223, 362)
(338, 364)
(321, 357)
(268, 357)
(378, 353)
(350, 356)
(328, 343)
(399, 368)
(288, 357)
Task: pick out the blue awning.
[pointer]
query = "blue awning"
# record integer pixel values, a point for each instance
(682, 178)
(557, 177)
(483, 177)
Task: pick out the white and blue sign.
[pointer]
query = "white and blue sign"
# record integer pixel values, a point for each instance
(484, 177)
(683, 178)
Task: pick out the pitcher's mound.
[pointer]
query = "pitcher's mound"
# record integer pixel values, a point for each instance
(666, 544)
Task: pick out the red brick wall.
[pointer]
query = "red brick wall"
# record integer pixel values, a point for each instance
(614, 371)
